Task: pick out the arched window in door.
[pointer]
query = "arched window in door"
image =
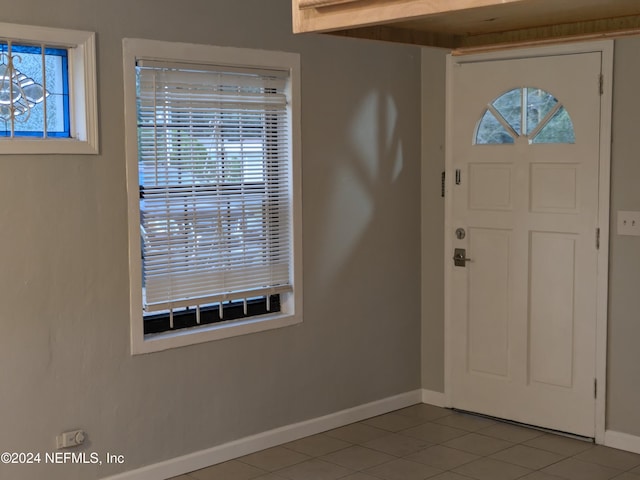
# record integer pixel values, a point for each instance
(524, 112)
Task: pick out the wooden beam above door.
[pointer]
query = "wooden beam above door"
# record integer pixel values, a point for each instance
(469, 25)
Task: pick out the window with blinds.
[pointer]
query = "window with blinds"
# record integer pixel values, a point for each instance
(213, 163)
(214, 192)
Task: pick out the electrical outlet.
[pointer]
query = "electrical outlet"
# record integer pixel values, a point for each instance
(70, 439)
(629, 223)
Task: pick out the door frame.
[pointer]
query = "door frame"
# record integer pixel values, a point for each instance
(602, 278)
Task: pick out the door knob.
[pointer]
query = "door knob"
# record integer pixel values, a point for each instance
(460, 257)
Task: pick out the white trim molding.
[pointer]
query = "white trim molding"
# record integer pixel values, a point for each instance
(604, 205)
(622, 441)
(254, 443)
(437, 399)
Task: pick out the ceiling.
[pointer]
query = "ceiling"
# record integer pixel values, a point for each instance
(470, 24)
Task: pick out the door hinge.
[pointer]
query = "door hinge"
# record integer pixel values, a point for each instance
(601, 84)
(458, 176)
(442, 181)
(595, 388)
(598, 238)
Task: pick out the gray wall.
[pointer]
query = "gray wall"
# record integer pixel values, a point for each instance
(623, 395)
(64, 347)
(432, 203)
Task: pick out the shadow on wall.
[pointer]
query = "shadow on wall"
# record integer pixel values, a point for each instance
(361, 194)
(359, 185)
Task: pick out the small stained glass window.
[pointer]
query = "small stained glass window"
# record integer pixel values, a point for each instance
(525, 112)
(34, 91)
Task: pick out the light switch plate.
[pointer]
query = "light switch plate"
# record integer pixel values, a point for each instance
(628, 223)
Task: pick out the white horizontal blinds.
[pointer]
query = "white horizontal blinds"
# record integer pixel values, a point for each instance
(214, 184)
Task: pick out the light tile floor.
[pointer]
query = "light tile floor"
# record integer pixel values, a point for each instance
(423, 441)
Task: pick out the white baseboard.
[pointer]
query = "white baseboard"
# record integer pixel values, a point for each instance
(244, 446)
(622, 441)
(434, 398)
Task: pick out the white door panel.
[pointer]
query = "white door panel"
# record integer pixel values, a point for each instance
(488, 294)
(522, 311)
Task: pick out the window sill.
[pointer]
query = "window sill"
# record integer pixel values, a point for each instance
(216, 331)
(54, 146)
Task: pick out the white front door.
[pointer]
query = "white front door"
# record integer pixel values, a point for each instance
(525, 143)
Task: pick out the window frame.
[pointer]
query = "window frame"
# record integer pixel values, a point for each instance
(83, 102)
(290, 303)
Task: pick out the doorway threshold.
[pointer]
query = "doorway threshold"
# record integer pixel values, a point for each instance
(526, 425)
